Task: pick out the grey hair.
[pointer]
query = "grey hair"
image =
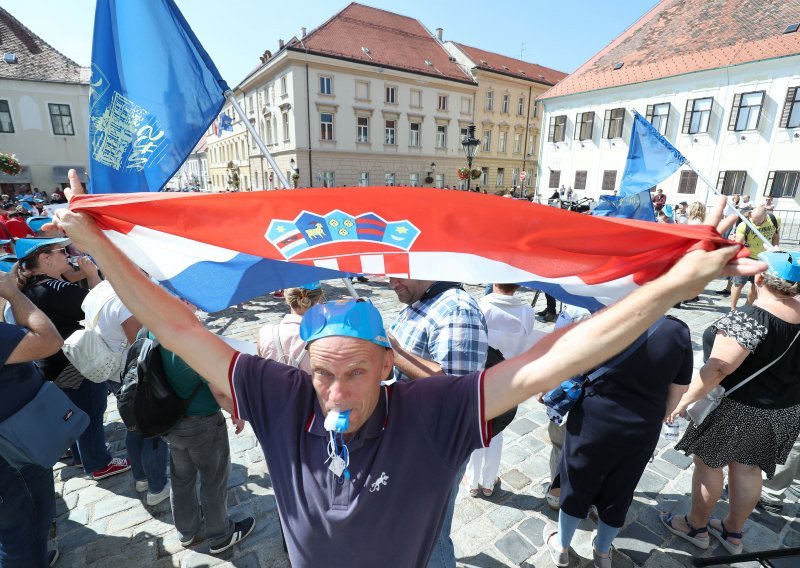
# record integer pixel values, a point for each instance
(780, 286)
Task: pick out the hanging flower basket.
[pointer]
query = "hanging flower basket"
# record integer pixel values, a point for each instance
(463, 173)
(9, 164)
(429, 179)
(476, 173)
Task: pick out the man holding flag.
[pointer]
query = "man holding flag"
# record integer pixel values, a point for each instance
(349, 513)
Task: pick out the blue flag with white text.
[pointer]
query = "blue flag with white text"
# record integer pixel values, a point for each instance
(651, 158)
(154, 92)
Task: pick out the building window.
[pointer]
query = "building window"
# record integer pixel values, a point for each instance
(501, 177)
(362, 90)
(489, 100)
(61, 117)
(731, 182)
(485, 176)
(441, 136)
(326, 126)
(328, 179)
(362, 130)
(790, 117)
(283, 85)
(580, 179)
(584, 126)
(555, 179)
(391, 126)
(517, 143)
(414, 137)
(325, 87)
(390, 179)
(391, 95)
(688, 182)
(521, 106)
(609, 180)
(514, 176)
(504, 105)
(557, 128)
(416, 98)
(363, 179)
(613, 122)
(782, 184)
(658, 115)
(501, 142)
(442, 102)
(413, 180)
(438, 181)
(6, 124)
(466, 105)
(697, 116)
(746, 112)
(487, 141)
(535, 109)
(286, 127)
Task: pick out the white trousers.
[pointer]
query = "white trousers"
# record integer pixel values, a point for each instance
(485, 463)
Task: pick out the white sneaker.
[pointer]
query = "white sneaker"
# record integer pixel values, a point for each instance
(141, 486)
(156, 498)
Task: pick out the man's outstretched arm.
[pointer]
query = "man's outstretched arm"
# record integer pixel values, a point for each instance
(577, 349)
(167, 317)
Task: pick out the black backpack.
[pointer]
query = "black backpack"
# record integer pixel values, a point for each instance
(146, 401)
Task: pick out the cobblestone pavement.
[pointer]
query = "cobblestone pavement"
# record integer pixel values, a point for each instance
(101, 523)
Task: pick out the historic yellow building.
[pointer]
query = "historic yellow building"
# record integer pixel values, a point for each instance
(506, 115)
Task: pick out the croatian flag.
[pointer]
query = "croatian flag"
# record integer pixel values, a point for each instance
(154, 92)
(206, 250)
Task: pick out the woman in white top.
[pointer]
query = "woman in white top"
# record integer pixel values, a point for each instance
(282, 342)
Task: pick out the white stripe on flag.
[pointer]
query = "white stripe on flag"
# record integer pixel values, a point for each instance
(372, 264)
(331, 263)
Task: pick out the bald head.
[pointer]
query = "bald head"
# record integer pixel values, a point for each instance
(759, 215)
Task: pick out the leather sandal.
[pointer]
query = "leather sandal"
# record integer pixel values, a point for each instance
(691, 536)
(723, 535)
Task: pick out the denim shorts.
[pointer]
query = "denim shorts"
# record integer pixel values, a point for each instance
(740, 281)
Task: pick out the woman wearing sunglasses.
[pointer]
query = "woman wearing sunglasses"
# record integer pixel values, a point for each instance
(42, 264)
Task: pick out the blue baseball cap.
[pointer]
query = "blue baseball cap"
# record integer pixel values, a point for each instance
(348, 318)
(782, 264)
(36, 222)
(7, 262)
(29, 245)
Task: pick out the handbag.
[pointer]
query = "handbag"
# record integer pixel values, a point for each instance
(89, 353)
(701, 408)
(39, 432)
(565, 396)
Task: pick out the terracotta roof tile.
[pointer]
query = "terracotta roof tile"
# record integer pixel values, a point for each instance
(393, 41)
(685, 36)
(36, 60)
(504, 65)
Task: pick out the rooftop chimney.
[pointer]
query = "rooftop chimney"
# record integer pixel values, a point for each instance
(302, 32)
(280, 44)
(439, 32)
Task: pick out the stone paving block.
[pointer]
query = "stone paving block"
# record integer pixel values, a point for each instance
(514, 454)
(791, 539)
(651, 483)
(77, 539)
(516, 548)
(195, 559)
(664, 468)
(637, 542)
(467, 509)
(505, 517)
(677, 458)
(532, 444)
(516, 479)
(112, 504)
(71, 559)
(255, 455)
(131, 518)
(659, 559)
(759, 537)
(772, 521)
(241, 443)
(536, 467)
(531, 528)
(521, 426)
(476, 535)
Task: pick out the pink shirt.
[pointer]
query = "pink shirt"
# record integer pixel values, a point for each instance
(294, 348)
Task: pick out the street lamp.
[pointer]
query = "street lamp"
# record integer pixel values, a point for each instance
(470, 145)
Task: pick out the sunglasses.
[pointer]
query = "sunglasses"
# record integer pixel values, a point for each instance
(57, 250)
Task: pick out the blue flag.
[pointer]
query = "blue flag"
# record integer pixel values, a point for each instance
(651, 158)
(154, 92)
(225, 123)
(636, 206)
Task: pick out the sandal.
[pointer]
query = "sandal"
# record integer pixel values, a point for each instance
(487, 491)
(559, 558)
(723, 535)
(691, 536)
(474, 491)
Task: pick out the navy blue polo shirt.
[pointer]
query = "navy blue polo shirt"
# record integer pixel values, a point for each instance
(403, 463)
(19, 382)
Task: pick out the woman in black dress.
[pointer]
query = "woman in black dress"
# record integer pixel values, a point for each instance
(611, 435)
(755, 427)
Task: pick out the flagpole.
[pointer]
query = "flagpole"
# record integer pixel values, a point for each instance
(713, 188)
(261, 146)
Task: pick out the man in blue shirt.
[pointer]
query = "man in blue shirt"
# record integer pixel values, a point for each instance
(358, 501)
(27, 494)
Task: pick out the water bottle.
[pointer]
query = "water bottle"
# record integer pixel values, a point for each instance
(672, 431)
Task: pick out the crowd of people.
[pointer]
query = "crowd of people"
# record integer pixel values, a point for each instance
(368, 429)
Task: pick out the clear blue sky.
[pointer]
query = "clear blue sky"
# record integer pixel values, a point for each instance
(561, 34)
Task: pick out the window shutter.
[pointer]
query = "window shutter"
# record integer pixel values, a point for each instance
(770, 181)
(606, 123)
(578, 122)
(621, 124)
(737, 101)
(721, 180)
(687, 117)
(551, 129)
(760, 109)
(590, 121)
(649, 113)
(787, 107)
